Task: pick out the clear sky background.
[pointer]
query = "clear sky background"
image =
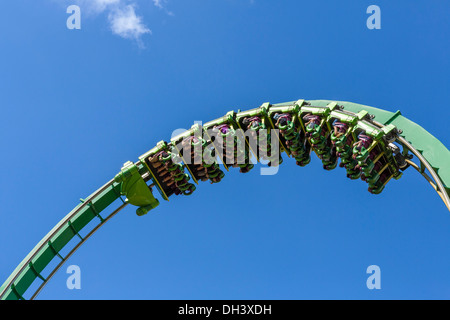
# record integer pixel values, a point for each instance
(77, 104)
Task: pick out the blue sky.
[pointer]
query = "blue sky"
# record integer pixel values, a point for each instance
(77, 104)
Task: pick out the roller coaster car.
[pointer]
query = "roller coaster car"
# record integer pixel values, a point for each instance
(314, 129)
(339, 136)
(172, 173)
(380, 183)
(234, 148)
(342, 139)
(361, 148)
(319, 134)
(375, 152)
(253, 123)
(366, 151)
(259, 132)
(294, 138)
(342, 124)
(198, 155)
(168, 175)
(370, 164)
(231, 151)
(201, 162)
(255, 127)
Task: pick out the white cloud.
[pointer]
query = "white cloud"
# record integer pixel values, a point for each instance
(161, 5)
(122, 17)
(158, 3)
(125, 23)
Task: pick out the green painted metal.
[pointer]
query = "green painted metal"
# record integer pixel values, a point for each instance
(382, 126)
(135, 189)
(50, 246)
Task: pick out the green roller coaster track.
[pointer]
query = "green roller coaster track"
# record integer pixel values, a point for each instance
(372, 144)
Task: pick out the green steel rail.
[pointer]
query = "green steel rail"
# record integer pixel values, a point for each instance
(136, 180)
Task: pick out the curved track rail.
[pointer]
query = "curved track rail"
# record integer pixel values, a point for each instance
(372, 144)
